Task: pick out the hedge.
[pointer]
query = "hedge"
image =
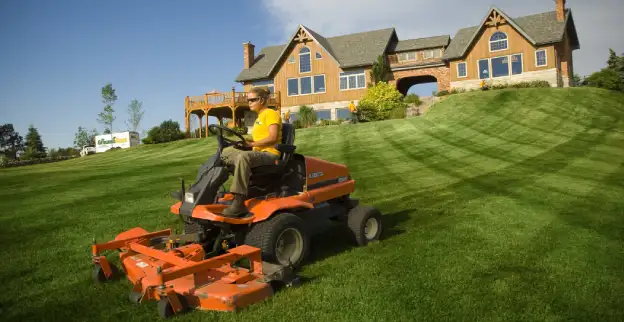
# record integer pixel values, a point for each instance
(19, 163)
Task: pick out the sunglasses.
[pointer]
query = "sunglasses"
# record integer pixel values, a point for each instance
(250, 100)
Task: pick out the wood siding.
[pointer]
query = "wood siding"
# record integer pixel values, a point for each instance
(516, 44)
(325, 66)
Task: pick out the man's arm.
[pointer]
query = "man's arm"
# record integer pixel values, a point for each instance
(269, 140)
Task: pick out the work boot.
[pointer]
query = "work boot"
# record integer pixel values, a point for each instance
(237, 208)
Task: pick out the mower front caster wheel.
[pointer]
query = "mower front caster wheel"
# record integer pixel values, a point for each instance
(165, 310)
(365, 224)
(98, 275)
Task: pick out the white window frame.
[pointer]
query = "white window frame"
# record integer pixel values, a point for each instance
(545, 57)
(509, 68)
(347, 78)
(425, 54)
(506, 40)
(311, 83)
(400, 55)
(521, 62)
(298, 86)
(465, 68)
(318, 55)
(309, 53)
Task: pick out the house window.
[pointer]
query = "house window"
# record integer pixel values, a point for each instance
(318, 55)
(352, 80)
(540, 58)
(428, 54)
(319, 84)
(461, 69)
(268, 83)
(484, 69)
(323, 114)
(498, 41)
(407, 56)
(516, 64)
(306, 85)
(500, 66)
(305, 66)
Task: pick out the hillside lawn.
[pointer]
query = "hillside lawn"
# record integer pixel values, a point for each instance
(498, 206)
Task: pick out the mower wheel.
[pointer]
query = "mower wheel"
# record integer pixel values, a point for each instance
(283, 239)
(165, 310)
(365, 224)
(98, 276)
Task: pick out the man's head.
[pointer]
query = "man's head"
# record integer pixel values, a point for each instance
(258, 97)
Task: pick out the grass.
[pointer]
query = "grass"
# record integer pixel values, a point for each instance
(498, 206)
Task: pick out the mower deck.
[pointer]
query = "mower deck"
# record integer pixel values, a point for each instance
(180, 278)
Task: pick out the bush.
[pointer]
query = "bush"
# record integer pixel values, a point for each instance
(306, 116)
(19, 163)
(412, 99)
(605, 78)
(379, 102)
(168, 131)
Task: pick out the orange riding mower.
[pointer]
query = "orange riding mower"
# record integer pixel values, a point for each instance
(227, 263)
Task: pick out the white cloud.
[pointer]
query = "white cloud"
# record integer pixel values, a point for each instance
(596, 21)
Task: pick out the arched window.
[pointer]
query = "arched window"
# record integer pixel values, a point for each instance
(305, 65)
(498, 41)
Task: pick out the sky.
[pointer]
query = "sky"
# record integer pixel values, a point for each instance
(55, 56)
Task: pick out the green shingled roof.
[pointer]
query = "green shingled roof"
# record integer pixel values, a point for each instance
(353, 50)
(539, 29)
(420, 43)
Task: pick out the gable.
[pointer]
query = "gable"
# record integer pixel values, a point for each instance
(538, 29)
(347, 51)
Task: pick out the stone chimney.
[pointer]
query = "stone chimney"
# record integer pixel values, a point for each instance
(560, 8)
(248, 52)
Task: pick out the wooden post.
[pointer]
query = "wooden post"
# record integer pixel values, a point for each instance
(233, 107)
(200, 125)
(206, 114)
(186, 116)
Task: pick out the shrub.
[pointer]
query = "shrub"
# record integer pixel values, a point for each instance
(306, 116)
(379, 101)
(412, 99)
(605, 78)
(168, 131)
(19, 163)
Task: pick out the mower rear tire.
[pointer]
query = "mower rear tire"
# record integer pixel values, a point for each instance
(283, 239)
(98, 275)
(365, 224)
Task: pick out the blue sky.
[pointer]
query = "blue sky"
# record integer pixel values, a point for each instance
(56, 55)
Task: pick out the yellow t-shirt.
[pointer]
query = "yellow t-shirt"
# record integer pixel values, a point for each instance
(261, 129)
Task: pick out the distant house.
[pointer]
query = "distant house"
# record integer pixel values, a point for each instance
(327, 73)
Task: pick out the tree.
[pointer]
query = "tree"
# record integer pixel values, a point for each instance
(34, 144)
(576, 78)
(134, 110)
(167, 131)
(92, 136)
(108, 98)
(81, 138)
(605, 78)
(614, 61)
(10, 141)
(380, 70)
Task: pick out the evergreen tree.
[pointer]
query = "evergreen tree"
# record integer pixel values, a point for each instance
(34, 144)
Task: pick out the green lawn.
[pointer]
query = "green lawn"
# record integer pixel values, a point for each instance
(498, 206)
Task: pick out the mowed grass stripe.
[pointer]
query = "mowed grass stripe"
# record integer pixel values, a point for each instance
(503, 205)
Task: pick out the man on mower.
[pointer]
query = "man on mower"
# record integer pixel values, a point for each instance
(266, 133)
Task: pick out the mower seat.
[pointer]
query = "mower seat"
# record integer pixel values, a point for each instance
(286, 148)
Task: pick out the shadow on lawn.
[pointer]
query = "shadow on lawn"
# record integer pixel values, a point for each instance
(337, 239)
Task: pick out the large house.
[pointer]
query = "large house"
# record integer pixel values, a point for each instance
(328, 73)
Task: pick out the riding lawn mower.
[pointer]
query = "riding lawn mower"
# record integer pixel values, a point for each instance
(227, 263)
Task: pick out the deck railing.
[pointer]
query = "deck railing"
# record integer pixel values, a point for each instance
(226, 99)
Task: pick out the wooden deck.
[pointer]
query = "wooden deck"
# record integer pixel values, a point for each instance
(222, 105)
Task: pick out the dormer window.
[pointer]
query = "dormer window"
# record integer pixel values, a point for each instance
(318, 55)
(305, 65)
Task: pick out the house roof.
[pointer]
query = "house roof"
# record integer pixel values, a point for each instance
(539, 29)
(352, 50)
(420, 43)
